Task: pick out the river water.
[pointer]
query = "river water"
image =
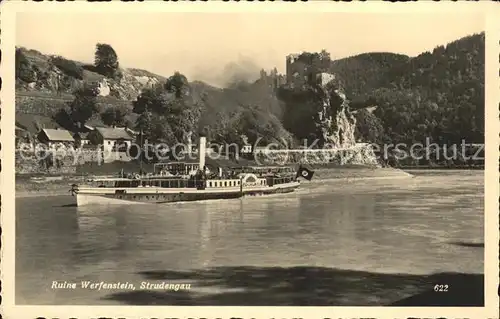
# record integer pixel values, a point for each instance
(334, 242)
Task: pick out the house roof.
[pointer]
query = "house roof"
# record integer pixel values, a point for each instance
(58, 135)
(118, 133)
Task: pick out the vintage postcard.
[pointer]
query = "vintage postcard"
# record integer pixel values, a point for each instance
(250, 160)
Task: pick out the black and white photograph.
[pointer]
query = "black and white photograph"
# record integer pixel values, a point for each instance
(250, 158)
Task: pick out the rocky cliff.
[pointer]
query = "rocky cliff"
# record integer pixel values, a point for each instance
(318, 112)
(334, 120)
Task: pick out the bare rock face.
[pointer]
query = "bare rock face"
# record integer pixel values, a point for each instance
(103, 88)
(128, 87)
(335, 121)
(147, 81)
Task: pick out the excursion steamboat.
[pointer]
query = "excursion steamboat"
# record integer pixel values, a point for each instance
(180, 182)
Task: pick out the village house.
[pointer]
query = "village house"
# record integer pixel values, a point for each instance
(55, 138)
(111, 138)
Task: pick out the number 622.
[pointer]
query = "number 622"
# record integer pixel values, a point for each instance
(441, 288)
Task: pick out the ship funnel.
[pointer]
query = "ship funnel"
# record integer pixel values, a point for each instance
(202, 152)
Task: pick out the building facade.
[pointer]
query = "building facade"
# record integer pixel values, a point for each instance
(55, 138)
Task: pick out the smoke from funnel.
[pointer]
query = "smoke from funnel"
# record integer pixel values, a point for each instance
(242, 70)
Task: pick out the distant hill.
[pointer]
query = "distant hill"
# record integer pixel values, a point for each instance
(364, 72)
(438, 94)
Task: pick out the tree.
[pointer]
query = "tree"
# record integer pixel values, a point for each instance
(84, 105)
(301, 110)
(368, 127)
(68, 67)
(151, 100)
(106, 61)
(24, 70)
(144, 123)
(177, 84)
(63, 118)
(168, 112)
(114, 116)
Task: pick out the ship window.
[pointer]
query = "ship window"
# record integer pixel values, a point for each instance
(147, 197)
(225, 184)
(238, 183)
(209, 184)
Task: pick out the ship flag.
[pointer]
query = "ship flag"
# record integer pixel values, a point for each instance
(305, 173)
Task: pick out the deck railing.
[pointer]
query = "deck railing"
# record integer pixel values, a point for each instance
(188, 183)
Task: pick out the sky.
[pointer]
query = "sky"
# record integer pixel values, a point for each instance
(208, 46)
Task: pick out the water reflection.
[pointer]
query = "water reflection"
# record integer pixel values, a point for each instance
(377, 226)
